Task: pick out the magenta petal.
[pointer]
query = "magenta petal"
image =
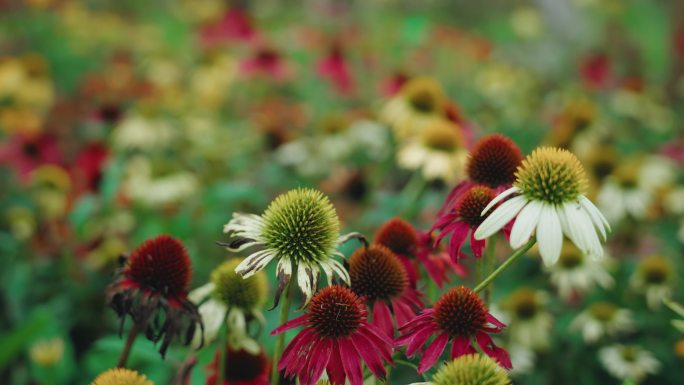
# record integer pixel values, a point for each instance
(501, 356)
(419, 339)
(476, 245)
(382, 318)
(455, 193)
(460, 346)
(350, 361)
(458, 237)
(433, 352)
(492, 320)
(433, 269)
(291, 324)
(382, 345)
(369, 355)
(402, 312)
(335, 369)
(318, 360)
(292, 350)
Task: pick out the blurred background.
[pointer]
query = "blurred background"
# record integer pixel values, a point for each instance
(121, 120)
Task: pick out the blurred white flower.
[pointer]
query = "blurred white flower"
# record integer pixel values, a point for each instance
(600, 319)
(653, 277)
(142, 186)
(628, 362)
(577, 274)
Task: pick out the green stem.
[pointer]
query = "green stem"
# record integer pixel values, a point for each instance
(518, 253)
(280, 342)
(489, 262)
(123, 358)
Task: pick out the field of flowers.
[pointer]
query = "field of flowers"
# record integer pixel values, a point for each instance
(320, 192)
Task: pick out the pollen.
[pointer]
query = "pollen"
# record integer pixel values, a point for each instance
(233, 290)
(493, 161)
(551, 175)
(302, 225)
(336, 312)
(424, 95)
(120, 376)
(460, 312)
(376, 273)
(471, 369)
(441, 135)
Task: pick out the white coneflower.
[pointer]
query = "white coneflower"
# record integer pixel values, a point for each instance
(628, 362)
(529, 324)
(576, 274)
(232, 299)
(654, 277)
(550, 185)
(438, 152)
(300, 229)
(602, 318)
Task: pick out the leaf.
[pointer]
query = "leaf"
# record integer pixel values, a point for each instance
(17, 340)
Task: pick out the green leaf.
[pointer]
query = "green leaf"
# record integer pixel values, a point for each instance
(17, 340)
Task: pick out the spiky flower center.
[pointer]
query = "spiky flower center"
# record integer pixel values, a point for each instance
(493, 161)
(524, 304)
(655, 270)
(441, 135)
(335, 312)
(161, 265)
(603, 311)
(233, 290)
(470, 205)
(121, 376)
(376, 273)
(399, 236)
(460, 312)
(424, 95)
(301, 225)
(551, 175)
(471, 369)
(242, 365)
(570, 257)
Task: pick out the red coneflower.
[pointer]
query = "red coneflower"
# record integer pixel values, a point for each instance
(334, 68)
(414, 248)
(154, 280)
(460, 316)
(335, 336)
(379, 277)
(240, 367)
(463, 218)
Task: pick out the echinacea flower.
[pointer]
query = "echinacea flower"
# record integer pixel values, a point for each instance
(576, 273)
(460, 316)
(334, 68)
(470, 369)
(121, 376)
(420, 101)
(231, 299)
(529, 322)
(464, 218)
(550, 186)
(602, 318)
(335, 338)
(380, 279)
(654, 277)
(628, 362)
(415, 249)
(300, 229)
(438, 152)
(153, 283)
(240, 367)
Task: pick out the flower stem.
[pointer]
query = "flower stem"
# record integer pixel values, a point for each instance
(123, 358)
(504, 265)
(489, 263)
(223, 355)
(280, 342)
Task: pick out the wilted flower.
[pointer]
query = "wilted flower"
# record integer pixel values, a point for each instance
(335, 337)
(551, 183)
(602, 318)
(460, 316)
(628, 362)
(121, 376)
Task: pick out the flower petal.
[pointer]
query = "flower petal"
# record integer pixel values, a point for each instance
(500, 217)
(499, 198)
(525, 224)
(433, 352)
(549, 235)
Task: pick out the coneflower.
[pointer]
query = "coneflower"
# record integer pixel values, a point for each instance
(470, 369)
(121, 376)
(240, 367)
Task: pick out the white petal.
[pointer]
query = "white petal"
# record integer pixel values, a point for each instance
(255, 263)
(500, 217)
(305, 279)
(199, 294)
(213, 313)
(596, 217)
(498, 199)
(571, 222)
(549, 235)
(525, 224)
(340, 270)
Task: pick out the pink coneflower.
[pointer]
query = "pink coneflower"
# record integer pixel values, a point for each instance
(24, 153)
(379, 277)
(334, 68)
(265, 61)
(335, 338)
(464, 218)
(460, 316)
(240, 367)
(153, 285)
(235, 25)
(413, 249)
(595, 71)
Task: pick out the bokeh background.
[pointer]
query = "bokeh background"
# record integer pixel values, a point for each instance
(121, 120)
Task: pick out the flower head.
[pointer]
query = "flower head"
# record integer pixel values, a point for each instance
(419, 101)
(576, 273)
(493, 161)
(602, 318)
(154, 279)
(460, 316)
(240, 367)
(301, 230)
(379, 277)
(471, 369)
(627, 362)
(335, 336)
(654, 277)
(530, 323)
(550, 185)
(121, 376)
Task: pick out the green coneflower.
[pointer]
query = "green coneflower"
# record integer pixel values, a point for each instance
(120, 376)
(470, 369)
(300, 229)
(234, 299)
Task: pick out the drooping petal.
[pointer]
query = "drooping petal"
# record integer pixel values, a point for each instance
(458, 237)
(305, 280)
(500, 217)
(283, 273)
(292, 350)
(291, 324)
(596, 216)
(460, 346)
(499, 198)
(370, 356)
(419, 339)
(254, 263)
(350, 361)
(335, 368)
(477, 245)
(318, 360)
(525, 224)
(379, 340)
(433, 352)
(382, 318)
(549, 235)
